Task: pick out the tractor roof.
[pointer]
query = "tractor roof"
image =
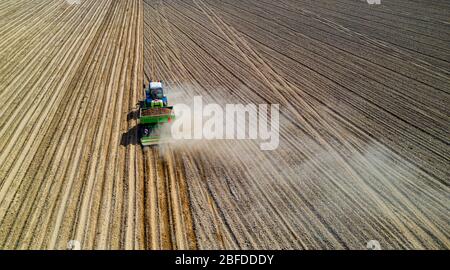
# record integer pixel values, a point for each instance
(155, 85)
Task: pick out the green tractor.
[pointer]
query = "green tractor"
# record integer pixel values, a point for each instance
(154, 113)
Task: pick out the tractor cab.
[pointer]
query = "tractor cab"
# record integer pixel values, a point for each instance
(154, 95)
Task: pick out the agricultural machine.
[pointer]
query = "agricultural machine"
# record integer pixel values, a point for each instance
(154, 113)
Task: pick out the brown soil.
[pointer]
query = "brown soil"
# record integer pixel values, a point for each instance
(364, 147)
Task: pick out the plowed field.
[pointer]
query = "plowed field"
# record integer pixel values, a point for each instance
(364, 93)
